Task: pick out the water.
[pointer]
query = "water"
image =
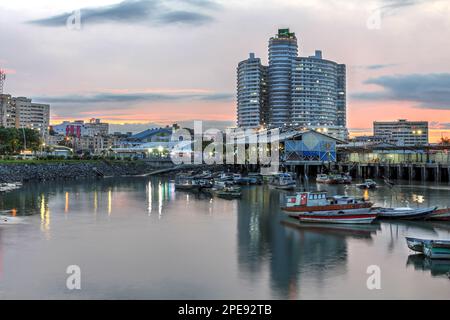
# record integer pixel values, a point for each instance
(138, 238)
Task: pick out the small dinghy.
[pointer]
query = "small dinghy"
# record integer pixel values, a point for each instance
(405, 213)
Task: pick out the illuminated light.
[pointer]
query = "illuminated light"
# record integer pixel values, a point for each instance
(14, 212)
(149, 150)
(160, 149)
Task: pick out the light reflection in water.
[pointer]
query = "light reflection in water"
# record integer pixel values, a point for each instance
(149, 197)
(109, 201)
(66, 207)
(160, 199)
(95, 201)
(45, 215)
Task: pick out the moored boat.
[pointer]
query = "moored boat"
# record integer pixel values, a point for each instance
(440, 214)
(283, 181)
(367, 184)
(339, 178)
(317, 207)
(405, 213)
(437, 249)
(187, 184)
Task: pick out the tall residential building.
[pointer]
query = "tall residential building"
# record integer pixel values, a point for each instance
(21, 112)
(314, 91)
(402, 132)
(341, 96)
(251, 93)
(283, 50)
(306, 92)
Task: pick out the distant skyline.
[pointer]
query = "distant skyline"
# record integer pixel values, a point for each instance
(158, 62)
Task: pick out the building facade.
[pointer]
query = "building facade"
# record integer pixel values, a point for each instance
(79, 128)
(251, 93)
(21, 112)
(302, 92)
(314, 92)
(402, 132)
(283, 50)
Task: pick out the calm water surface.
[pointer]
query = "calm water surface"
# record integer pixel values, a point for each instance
(138, 238)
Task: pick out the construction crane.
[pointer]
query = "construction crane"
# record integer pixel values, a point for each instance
(2, 80)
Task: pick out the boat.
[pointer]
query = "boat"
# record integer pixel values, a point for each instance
(405, 213)
(228, 192)
(187, 184)
(317, 207)
(440, 215)
(283, 181)
(326, 179)
(367, 184)
(437, 249)
(339, 178)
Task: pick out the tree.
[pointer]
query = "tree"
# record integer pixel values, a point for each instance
(13, 140)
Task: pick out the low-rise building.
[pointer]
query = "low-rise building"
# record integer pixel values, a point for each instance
(402, 132)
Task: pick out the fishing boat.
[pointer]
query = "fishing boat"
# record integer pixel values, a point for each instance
(228, 191)
(367, 184)
(317, 207)
(283, 181)
(339, 178)
(437, 249)
(187, 184)
(405, 213)
(326, 179)
(440, 215)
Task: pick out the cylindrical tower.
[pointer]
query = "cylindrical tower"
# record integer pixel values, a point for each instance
(282, 53)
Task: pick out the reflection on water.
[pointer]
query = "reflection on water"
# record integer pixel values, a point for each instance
(437, 268)
(138, 238)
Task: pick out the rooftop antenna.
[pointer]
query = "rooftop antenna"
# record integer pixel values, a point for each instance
(2, 80)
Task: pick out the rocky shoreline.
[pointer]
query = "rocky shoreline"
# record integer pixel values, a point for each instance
(24, 172)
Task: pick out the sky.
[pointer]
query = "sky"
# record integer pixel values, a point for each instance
(141, 63)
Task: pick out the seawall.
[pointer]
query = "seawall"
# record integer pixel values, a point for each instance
(46, 171)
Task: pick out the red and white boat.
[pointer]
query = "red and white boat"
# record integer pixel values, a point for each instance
(317, 207)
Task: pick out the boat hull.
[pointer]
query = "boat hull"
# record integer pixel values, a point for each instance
(336, 208)
(415, 244)
(440, 215)
(338, 218)
(437, 249)
(417, 214)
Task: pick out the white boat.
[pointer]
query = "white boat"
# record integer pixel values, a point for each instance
(367, 184)
(283, 181)
(405, 213)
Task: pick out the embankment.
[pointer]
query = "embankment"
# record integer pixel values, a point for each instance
(65, 170)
